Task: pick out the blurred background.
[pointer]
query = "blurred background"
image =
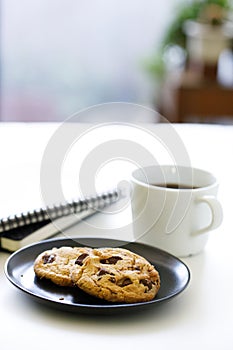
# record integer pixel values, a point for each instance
(60, 56)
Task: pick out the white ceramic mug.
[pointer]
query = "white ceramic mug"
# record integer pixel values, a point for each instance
(174, 208)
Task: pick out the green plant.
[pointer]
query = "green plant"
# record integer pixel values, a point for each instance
(191, 11)
(210, 11)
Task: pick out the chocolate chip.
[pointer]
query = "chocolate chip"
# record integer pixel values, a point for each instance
(111, 260)
(124, 282)
(48, 259)
(112, 279)
(147, 283)
(79, 260)
(102, 272)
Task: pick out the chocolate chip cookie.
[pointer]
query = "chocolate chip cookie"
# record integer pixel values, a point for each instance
(56, 264)
(117, 275)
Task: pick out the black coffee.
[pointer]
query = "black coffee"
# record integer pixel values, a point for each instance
(175, 186)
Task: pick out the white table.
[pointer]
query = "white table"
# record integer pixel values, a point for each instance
(199, 318)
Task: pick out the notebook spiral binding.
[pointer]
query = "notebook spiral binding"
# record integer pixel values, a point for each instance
(56, 211)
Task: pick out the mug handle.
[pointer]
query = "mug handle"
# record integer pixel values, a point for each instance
(216, 210)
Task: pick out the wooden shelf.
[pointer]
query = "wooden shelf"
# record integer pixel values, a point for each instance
(190, 94)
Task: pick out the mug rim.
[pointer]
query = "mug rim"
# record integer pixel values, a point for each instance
(168, 166)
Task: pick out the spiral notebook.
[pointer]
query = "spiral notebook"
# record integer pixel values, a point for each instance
(25, 228)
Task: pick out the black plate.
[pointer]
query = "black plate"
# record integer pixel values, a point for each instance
(174, 275)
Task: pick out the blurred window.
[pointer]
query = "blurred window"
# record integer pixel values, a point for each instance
(58, 57)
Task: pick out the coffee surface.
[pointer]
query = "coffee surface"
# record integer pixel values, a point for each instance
(175, 186)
